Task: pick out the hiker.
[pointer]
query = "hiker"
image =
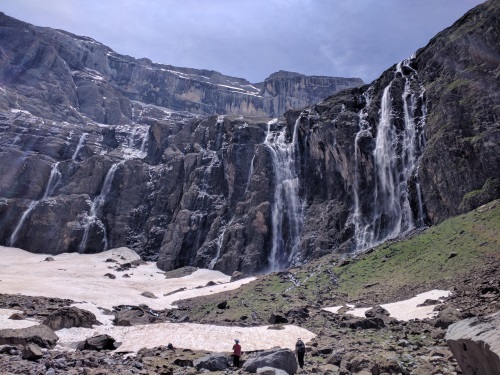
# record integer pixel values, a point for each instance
(300, 350)
(236, 353)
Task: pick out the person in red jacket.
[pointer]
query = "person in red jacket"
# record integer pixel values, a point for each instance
(236, 353)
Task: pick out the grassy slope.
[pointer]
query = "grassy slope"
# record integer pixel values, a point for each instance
(387, 273)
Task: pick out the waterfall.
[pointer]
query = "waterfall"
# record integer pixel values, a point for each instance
(395, 159)
(287, 207)
(250, 173)
(79, 146)
(95, 210)
(54, 178)
(145, 141)
(131, 137)
(13, 236)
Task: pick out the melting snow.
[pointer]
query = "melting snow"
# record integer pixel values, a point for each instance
(402, 310)
(80, 277)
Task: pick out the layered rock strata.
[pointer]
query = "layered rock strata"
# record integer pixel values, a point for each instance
(418, 145)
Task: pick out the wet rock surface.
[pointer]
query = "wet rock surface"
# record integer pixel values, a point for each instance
(112, 162)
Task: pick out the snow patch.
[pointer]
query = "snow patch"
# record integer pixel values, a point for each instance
(402, 310)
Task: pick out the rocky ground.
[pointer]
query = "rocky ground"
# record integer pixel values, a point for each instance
(344, 344)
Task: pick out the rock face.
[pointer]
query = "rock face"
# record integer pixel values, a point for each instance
(475, 344)
(112, 157)
(66, 77)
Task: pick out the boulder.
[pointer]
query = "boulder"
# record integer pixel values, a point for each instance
(16, 316)
(271, 371)
(41, 335)
(148, 295)
(98, 343)
(446, 317)
(354, 323)
(32, 352)
(475, 344)
(376, 311)
(69, 317)
(212, 362)
(282, 359)
(277, 318)
(132, 315)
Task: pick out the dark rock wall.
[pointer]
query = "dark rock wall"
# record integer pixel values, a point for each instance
(187, 190)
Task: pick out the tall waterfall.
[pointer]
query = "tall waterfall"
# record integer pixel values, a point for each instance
(96, 208)
(54, 178)
(287, 207)
(388, 211)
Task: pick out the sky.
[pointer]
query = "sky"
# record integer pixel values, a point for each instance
(253, 38)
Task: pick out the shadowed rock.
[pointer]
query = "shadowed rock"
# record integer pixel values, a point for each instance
(69, 317)
(212, 362)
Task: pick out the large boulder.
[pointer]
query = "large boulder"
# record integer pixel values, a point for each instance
(98, 343)
(40, 335)
(282, 359)
(69, 317)
(447, 317)
(475, 344)
(212, 362)
(32, 352)
(132, 315)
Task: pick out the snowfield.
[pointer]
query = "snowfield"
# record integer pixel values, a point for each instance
(81, 277)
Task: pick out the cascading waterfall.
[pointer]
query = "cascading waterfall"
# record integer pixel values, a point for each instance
(79, 146)
(395, 159)
(145, 141)
(364, 130)
(13, 236)
(54, 178)
(250, 173)
(96, 208)
(287, 207)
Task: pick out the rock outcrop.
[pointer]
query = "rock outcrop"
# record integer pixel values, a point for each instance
(69, 317)
(475, 344)
(40, 335)
(113, 158)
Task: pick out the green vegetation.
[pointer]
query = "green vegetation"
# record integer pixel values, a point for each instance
(439, 257)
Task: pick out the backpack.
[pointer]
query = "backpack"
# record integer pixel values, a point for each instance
(301, 348)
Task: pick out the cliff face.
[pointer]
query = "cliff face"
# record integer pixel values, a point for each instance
(61, 76)
(99, 150)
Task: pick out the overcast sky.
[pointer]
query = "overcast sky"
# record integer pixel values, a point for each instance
(254, 38)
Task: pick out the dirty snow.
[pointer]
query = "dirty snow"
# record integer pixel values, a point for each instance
(401, 310)
(80, 277)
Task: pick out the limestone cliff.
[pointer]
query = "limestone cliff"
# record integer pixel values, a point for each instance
(99, 150)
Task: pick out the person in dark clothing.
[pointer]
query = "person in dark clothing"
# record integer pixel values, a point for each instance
(300, 350)
(236, 353)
